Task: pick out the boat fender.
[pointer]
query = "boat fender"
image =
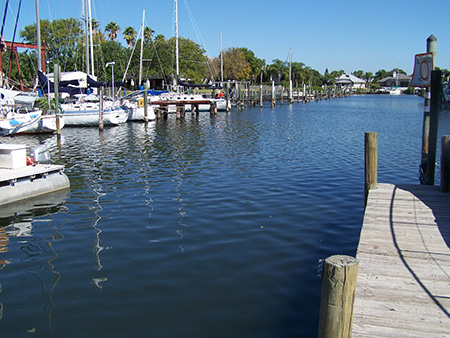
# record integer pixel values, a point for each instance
(141, 103)
(30, 160)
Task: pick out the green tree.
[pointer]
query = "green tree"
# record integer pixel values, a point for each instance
(359, 73)
(235, 66)
(60, 39)
(112, 29)
(256, 64)
(148, 33)
(129, 34)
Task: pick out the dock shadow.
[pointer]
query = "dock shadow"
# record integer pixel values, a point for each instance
(438, 202)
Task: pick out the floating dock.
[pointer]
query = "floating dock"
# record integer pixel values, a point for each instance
(19, 181)
(403, 284)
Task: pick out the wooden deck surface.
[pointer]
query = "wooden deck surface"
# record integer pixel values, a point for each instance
(403, 286)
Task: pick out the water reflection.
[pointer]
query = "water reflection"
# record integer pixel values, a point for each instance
(17, 222)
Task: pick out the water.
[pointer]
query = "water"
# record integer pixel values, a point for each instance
(208, 227)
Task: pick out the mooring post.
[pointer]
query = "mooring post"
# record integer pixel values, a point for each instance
(370, 163)
(339, 276)
(445, 163)
(261, 94)
(431, 48)
(227, 95)
(100, 110)
(145, 104)
(273, 101)
(436, 77)
(56, 81)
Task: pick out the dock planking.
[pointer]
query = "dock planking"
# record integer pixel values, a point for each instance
(403, 285)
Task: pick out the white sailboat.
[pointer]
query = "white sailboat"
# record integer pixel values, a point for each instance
(16, 117)
(85, 111)
(396, 90)
(176, 95)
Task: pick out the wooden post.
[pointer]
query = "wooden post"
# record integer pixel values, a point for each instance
(261, 95)
(338, 296)
(431, 48)
(436, 76)
(145, 104)
(227, 95)
(445, 163)
(370, 163)
(56, 78)
(100, 120)
(281, 98)
(273, 101)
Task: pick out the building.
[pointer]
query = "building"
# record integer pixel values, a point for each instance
(350, 81)
(397, 80)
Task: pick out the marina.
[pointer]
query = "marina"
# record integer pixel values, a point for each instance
(202, 225)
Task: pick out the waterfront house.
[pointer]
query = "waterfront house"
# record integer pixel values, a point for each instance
(350, 81)
(397, 80)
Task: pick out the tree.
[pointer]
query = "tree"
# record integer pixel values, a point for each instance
(235, 66)
(359, 73)
(148, 33)
(61, 39)
(112, 29)
(129, 34)
(256, 64)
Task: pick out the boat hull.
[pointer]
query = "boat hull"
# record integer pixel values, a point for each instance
(138, 114)
(91, 118)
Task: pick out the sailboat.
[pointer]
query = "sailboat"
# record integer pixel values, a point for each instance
(85, 109)
(16, 117)
(396, 90)
(174, 96)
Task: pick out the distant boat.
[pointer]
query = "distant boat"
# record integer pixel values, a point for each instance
(28, 123)
(85, 112)
(135, 105)
(395, 91)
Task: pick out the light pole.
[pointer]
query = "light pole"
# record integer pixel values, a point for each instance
(112, 63)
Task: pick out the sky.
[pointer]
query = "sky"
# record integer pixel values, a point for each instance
(350, 35)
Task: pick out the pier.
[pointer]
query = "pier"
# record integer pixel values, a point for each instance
(403, 283)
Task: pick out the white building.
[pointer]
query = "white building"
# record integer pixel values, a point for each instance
(350, 81)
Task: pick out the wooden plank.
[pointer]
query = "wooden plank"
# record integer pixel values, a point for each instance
(403, 287)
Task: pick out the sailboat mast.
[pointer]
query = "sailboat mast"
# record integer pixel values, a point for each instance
(176, 44)
(142, 47)
(290, 73)
(90, 38)
(221, 59)
(38, 36)
(86, 35)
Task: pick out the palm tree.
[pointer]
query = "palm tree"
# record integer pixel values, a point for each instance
(129, 35)
(112, 29)
(148, 33)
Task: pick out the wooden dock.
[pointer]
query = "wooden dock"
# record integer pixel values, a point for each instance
(403, 285)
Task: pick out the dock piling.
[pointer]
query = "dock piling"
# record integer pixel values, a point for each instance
(100, 120)
(370, 163)
(445, 163)
(338, 296)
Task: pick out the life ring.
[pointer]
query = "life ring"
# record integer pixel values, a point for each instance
(140, 102)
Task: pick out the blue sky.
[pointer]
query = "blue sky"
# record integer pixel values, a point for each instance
(349, 35)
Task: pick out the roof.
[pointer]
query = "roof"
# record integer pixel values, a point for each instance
(349, 78)
(392, 78)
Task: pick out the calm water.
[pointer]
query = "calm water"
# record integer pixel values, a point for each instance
(208, 227)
